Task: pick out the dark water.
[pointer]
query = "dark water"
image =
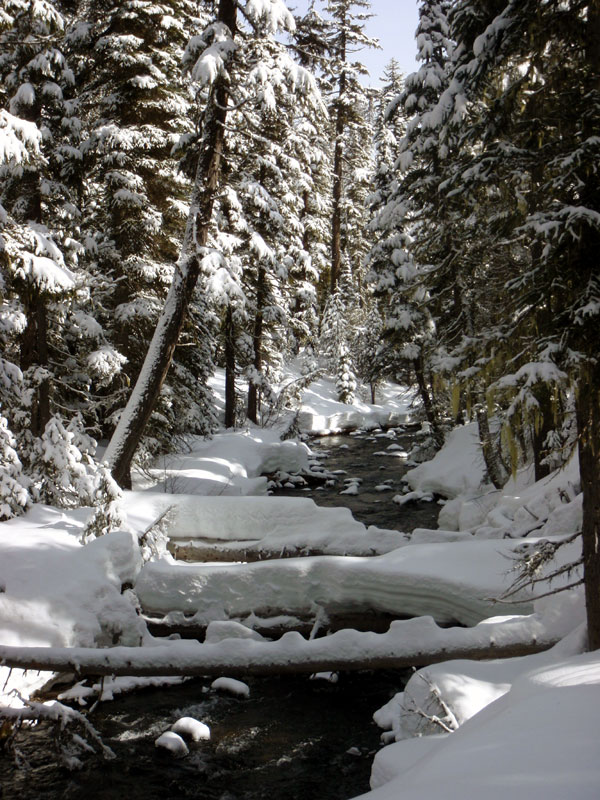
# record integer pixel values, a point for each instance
(289, 740)
(368, 457)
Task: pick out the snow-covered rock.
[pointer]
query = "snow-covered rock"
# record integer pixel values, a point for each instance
(231, 686)
(191, 729)
(457, 468)
(173, 743)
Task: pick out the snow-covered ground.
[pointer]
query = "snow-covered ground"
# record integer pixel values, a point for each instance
(524, 726)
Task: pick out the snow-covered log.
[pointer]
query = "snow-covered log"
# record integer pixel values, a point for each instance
(408, 643)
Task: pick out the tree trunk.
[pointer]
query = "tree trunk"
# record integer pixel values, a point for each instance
(338, 179)
(543, 395)
(493, 466)
(34, 342)
(588, 426)
(426, 398)
(588, 395)
(158, 359)
(257, 336)
(266, 658)
(34, 353)
(229, 369)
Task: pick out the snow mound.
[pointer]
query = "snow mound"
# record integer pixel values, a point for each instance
(191, 728)
(227, 464)
(274, 524)
(173, 743)
(321, 414)
(231, 686)
(457, 468)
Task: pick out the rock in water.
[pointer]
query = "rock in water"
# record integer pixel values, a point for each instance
(232, 686)
(191, 728)
(173, 743)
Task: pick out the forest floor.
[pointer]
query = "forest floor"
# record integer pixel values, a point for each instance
(463, 728)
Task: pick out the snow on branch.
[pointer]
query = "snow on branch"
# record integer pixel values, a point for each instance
(210, 51)
(19, 139)
(272, 15)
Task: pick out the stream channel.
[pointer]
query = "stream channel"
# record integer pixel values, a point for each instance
(292, 738)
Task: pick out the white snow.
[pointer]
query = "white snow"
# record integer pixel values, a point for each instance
(191, 728)
(455, 581)
(321, 413)
(522, 727)
(173, 743)
(536, 740)
(231, 686)
(457, 468)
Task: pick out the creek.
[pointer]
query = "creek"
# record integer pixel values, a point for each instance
(292, 738)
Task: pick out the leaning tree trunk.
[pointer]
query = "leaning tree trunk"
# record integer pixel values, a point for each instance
(158, 359)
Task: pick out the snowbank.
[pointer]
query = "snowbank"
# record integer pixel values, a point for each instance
(320, 413)
(456, 468)
(56, 592)
(227, 464)
(537, 740)
(263, 524)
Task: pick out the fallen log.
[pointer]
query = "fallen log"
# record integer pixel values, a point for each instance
(415, 642)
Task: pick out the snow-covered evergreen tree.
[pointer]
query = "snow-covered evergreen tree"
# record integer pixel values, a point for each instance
(413, 248)
(139, 113)
(38, 195)
(347, 110)
(14, 494)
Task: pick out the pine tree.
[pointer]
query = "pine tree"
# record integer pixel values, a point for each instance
(412, 252)
(346, 34)
(14, 485)
(40, 248)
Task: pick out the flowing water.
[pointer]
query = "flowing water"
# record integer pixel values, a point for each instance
(376, 459)
(293, 738)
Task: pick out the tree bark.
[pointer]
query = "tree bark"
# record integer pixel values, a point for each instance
(426, 398)
(34, 353)
(338, 177)
(493, 466)
(257, 337)
(229, 369)
(154, 370)
(588, 425)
